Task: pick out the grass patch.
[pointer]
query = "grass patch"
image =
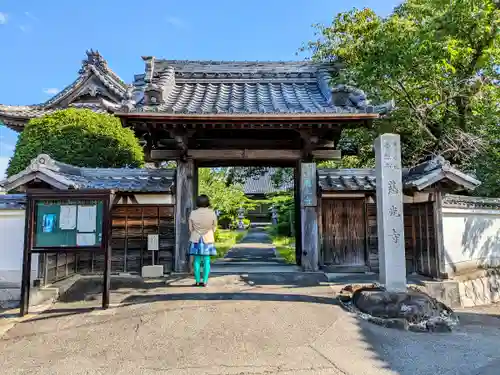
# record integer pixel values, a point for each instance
(284, 246)
(226, 239)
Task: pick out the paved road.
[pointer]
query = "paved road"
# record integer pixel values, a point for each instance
(255, 253)
(249, 324)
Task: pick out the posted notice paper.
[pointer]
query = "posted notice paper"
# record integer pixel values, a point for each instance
(87, 216)
(67, 218)
(85, 239)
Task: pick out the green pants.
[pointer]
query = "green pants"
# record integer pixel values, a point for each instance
(206, 267)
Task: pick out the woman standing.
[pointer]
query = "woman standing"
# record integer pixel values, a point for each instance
(202, 226)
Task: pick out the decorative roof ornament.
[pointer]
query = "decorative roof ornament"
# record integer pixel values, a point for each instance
(128, 103)
(42, 161)
(348, 96)
(93, 58)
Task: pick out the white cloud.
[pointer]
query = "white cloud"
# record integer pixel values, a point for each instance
(3, 18)
(29, 15)
(176, 22)
(25, 28)
(51, 91)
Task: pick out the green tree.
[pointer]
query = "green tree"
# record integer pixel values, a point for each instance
(439, 60)
(228, 198)
(284, 203)
(79, 137)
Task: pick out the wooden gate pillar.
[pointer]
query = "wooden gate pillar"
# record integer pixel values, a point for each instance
(184, 194)
(309, 217)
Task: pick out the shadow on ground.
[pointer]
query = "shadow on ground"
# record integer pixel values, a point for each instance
(362, 278)
(90, 288)
(470, 350)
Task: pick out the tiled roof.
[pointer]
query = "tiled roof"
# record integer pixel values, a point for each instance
(429, 172)
(12, 201)
(70, 177)
(95, 79)
(461, 201)
(418, 177)
(264, 184)
(204, 87)
(213, 87)
(346, 179)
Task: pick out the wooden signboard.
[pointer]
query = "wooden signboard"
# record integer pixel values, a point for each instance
(308, 181)
(66, 221)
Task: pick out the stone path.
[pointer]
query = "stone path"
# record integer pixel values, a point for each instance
(255, 253)
(246, 325)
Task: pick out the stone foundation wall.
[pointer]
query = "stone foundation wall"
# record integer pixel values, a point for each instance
(482, 288)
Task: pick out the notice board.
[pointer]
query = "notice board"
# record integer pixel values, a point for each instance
(68, 223)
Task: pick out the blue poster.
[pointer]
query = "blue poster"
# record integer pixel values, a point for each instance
(49, 221)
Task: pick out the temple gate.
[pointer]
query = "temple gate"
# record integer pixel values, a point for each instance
(275, 114)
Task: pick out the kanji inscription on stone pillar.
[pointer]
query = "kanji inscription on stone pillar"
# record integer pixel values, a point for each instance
(390, 219)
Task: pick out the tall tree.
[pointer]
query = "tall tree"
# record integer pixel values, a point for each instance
(439, 60)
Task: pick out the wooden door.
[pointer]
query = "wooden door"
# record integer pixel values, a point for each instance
(343, 232)
(424, 241)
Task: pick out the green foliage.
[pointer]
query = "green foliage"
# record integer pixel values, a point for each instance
(246, 223)
(283, 229)
(223, 197)
(283, 244)
(439, 60)
(225, 239)
(285, 206)
(285, 249)
(79, 137)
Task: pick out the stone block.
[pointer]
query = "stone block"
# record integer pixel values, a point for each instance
(446, 291)
(480, 291)
(152, 271)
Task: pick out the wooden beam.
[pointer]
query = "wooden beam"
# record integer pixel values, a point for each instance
(184, 195)
(164, 154)
(246, 143)
(327, 154)
(309, 217)
(244, 154)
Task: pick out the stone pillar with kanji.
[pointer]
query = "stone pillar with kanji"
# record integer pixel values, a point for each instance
(390, 218)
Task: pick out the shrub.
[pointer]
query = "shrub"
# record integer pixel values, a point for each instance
(283, 229)
(79, 137)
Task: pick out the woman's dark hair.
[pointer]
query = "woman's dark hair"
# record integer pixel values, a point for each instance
(202, 201)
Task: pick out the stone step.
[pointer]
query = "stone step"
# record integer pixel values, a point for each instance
(230, 262)
(246, 268)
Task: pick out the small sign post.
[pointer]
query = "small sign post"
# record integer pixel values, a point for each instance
(153, 246)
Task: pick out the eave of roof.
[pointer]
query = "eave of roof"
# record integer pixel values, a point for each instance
(417, 178)
(64, 176)
(251, 116)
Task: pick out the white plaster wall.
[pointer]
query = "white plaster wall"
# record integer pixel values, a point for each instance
(471, 239)
(155, 198)
(11, 249)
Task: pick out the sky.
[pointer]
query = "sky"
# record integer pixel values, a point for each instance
(42, 43)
